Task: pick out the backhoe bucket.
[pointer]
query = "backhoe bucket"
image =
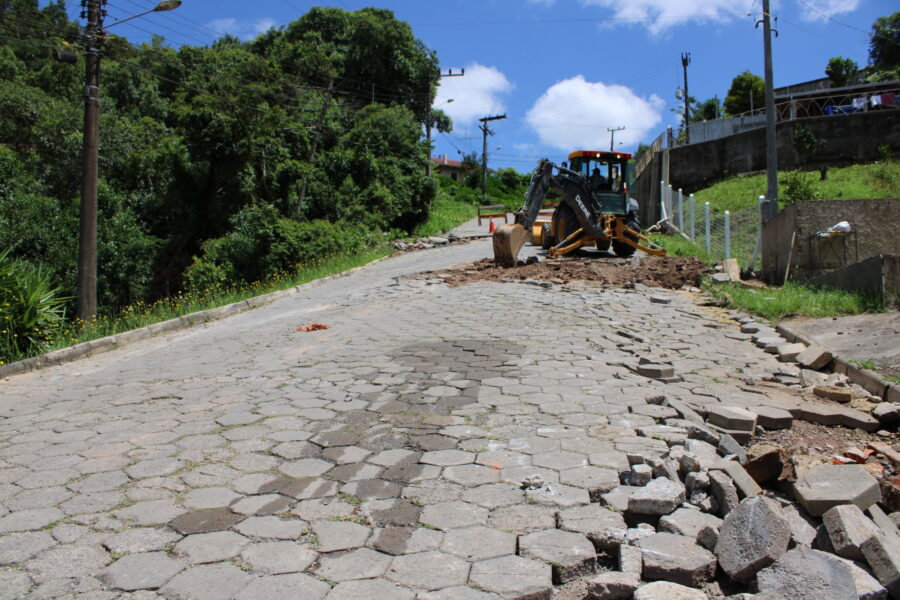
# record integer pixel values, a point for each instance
(508, 241)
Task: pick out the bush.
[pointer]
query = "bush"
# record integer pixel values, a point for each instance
(798, 187)
(31, 309)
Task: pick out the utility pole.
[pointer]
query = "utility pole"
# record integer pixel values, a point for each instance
(685, 61)
(612, 137)
(771, 137)
(485, 130)
(86, 309)
(430, 122)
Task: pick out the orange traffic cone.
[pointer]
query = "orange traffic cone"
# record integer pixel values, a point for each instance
(491, 228)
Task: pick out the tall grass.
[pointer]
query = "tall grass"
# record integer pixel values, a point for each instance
(792, 299)
(446, 213)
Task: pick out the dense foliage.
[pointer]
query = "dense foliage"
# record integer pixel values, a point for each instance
(747, 92)
(232, 161)
(884, 48)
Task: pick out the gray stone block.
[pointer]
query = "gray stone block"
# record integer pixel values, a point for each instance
(676, 558)
(723, 490)
(613, 586)
(630, 559)
(731, 417)
(428, 570)
(144, 571)
(848, 529)
(513, 577)
(745, 484)
(882, 552)
(826, 486)
(659, 497)
(752, 537)
(770, 417)
(665, 590)
(689, 522)
(804, 574)
(593, 521)
(571, 555)
(815, 357)
(206, 582)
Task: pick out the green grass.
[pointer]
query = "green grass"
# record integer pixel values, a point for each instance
(875, 180)
(790, 300)
(446, 213)
(141, 314)
(677, 245)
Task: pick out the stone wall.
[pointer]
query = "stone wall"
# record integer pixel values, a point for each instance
(873, 231)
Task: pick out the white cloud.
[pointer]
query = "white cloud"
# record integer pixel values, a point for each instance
(476, 94)
(576, 113)
(821, 10)
(245, 30)
(659, 15)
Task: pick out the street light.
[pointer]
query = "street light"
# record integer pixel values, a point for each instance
(87, 229)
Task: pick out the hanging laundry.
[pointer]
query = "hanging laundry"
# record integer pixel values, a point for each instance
(889, 99)
(829, 109)
(875, 100)
(859, 103)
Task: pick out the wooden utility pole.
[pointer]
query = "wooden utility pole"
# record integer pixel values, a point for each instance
(685, 61)
(485, 130)
(86, 307)
(612, 137)
(771, 138)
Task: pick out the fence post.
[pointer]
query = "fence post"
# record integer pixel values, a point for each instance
(680, 210)
(727, 234)
(669, 203)
(708, 243)
(662, 200)
(693, 219)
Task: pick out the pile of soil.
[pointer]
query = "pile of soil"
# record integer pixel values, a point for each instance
(670, 272)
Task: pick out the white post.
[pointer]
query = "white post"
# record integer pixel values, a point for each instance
(708, 247)
(662, 201)
(693, 218)
(727, 234)
(680, 210)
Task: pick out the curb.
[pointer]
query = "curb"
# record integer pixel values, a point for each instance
(867, 379)
(104, 344)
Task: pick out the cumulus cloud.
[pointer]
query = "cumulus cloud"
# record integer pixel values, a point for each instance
(475, 95)
(821, 10)
(575, 113)
(659, 15)
(245, 30)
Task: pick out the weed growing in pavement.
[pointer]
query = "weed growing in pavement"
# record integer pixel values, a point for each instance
(864, 364)
(792, 299)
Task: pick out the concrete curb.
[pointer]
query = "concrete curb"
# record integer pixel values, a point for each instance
(869, 380)
(85, 349)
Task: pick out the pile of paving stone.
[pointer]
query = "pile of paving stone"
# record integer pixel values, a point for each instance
(691, 519)
(423, 243)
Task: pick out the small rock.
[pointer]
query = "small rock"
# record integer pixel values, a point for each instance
(835, 393)
(661, 299)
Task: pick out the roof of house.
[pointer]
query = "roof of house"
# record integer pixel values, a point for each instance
(443, 160)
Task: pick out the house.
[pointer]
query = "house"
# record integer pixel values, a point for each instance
(454, 169)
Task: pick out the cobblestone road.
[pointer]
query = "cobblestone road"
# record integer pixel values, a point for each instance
(381, 458)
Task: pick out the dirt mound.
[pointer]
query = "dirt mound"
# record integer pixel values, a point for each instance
(670, 272)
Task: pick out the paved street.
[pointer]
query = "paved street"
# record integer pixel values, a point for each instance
(381, 458)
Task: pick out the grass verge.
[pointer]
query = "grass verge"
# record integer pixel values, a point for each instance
(446, 213)
(141, 315)
(792, 299)
(677, 245)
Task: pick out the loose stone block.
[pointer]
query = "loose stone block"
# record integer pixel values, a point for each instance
(688, 522)
(665, 590)
(752, 537)
(832, 485)
(833, 392)
(630, 559)
(659, 497)
(742, 480)
(571, 555)
(770, 417)
(613, 586)
(513, 577)
(676, 558)
(731, 417)
(723, 489)
(593, 521)
(640, 474)
(654, 371)
(848, 529)
(804, 574)
(867, 586)
(729, 445)
(882, 552)
(789, 352)
(815, 357)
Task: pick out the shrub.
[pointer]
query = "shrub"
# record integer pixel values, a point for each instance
(798, 187)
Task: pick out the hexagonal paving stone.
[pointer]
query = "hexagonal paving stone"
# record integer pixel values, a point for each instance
(676, 558)
(428, 570)
(285, 587)
(355, 472)
(523, 518)
(826, 486)
(503, 459)
(372, 488)
(345, 454)
(272, 527)
(145, 571)
(213, 497)
(478, 543)
(370, 588)
(447, 458)
(451, 515)
(471, 475)
(361, 563)
(210, 547)
(570, 554)
(392, 511)
(206, 582)
(595, 480)
(153, 512)
(559, 460)
(266, 504)
(274, 558)
(593, 521)
(513, 577)
(494, 495)
(563, 496)
(140, 539)
(29, 519)
(19, 547)
(305, 467)
(458, 593)
(203, 521)
(339, 535)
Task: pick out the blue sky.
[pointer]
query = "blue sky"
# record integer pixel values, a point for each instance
(564, 71)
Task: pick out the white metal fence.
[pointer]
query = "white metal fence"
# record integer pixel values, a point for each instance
(728, 234)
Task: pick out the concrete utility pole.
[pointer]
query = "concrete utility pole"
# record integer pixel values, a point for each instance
(685, 61)
(430, 122)
(612, 137)
(485, 130)
(87, 241)
(771, 137)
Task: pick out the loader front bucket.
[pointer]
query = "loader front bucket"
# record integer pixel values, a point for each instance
(508, 241)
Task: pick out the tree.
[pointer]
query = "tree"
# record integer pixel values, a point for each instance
(841, 71)
(884, 43)
(744, 87)
(707, 111)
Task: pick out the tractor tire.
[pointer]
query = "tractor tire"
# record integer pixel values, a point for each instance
(621, 248)
(568, 223)
(546, 236)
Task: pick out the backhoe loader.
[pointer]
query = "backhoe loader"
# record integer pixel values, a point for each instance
(594, 208)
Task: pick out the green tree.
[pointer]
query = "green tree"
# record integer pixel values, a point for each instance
(744, 87)
(884, 48)
(841, 71)
(707, 111)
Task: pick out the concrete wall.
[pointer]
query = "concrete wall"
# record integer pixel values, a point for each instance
(874, 231)
(848, 139)
(645, 189)
(878, 276)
